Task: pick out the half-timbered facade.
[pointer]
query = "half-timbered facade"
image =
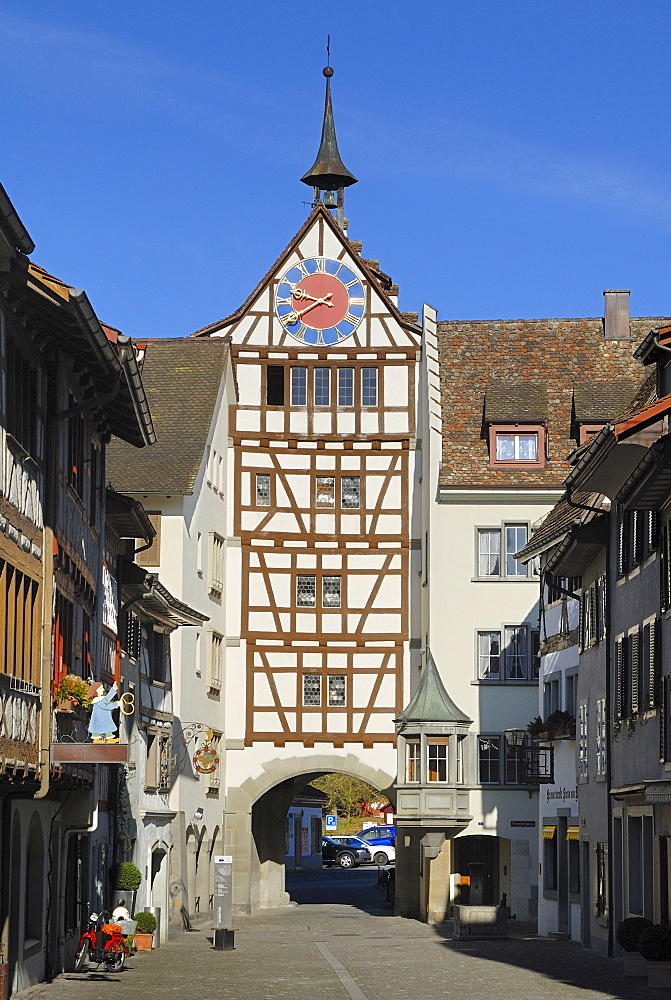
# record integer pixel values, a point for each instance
(324, 439)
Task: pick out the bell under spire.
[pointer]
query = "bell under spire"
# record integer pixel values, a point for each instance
(328, 173)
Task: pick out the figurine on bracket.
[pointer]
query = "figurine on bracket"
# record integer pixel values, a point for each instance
(101, 725)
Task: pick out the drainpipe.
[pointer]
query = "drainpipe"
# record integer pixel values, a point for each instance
(609, 742)
(48, 544)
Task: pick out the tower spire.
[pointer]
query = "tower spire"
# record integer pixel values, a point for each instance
(328, 173)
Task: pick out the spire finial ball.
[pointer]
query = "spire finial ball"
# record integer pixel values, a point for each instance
(328, 71)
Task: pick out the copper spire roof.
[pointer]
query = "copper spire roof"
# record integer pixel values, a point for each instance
(328, 172)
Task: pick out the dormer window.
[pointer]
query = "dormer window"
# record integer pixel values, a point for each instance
(515, 416)
(516, 446)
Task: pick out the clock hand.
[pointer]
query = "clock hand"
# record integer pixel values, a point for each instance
(300, 293)
(294, 316)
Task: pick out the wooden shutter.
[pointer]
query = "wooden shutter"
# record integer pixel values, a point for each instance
(653, 530)
(581, 622)
(622, 540)
(637, 535)
(634, 671)
(592, 614)
(663, 589)
(619, 677)
(152, 555)
(663, 712)
(654, 663)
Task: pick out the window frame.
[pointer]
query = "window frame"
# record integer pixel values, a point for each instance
(502, 576)
(269, 477)
(495, 740)
(365, 389)
(536, 428)
(301, 374)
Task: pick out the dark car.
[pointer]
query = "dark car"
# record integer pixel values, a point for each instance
(347, 855)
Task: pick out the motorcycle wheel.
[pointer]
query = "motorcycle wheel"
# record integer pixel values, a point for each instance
(115, 959)
(82, 956)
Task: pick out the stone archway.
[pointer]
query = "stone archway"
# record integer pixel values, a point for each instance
(256, 815)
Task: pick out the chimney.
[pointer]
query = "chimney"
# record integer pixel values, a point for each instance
(616, 314)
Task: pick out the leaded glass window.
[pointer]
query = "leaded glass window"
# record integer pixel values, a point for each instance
(336, 690)
(312, 689)
(325, 491)
(350, 492)
(331, 591)
(262, 489)
(306, 591)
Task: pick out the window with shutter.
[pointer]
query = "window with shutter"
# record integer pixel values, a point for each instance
(653, 530)
(634, 671)
(622, 541)
(581, 622)
(636, 517)
(663, 571)
(655, 664)
(619, 678)
(592, 615)
(663, 717)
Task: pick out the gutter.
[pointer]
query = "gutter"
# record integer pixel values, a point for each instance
(20, 234)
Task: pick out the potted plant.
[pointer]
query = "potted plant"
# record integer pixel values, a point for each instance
(654, 945)
(69, 691)
(537, 728)
(144, 935)
(628, 933)
(125, 878)
(560, 725)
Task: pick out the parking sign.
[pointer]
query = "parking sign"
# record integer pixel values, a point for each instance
(332, 822)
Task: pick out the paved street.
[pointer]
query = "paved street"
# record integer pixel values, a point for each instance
(351, 950)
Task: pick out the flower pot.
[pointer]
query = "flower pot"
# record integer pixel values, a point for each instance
(143, 942)
(634, 964)
(659, 975)
(65, 705)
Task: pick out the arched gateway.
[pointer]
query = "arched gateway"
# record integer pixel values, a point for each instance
(256, 818)
(324, 444)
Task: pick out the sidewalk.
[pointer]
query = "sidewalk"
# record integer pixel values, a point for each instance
(338, 952)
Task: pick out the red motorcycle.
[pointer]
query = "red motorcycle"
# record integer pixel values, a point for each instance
(102, 942)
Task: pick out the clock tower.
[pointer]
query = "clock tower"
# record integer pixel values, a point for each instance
(319, 555)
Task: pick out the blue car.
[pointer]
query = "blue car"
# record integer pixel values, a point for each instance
(378, 838)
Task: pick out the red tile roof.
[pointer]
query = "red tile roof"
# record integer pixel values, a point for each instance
(477, 356)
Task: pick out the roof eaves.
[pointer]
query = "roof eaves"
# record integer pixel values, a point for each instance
(18, 232)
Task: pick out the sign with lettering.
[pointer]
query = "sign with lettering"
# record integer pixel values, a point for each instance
(523, 822)
(223, 891)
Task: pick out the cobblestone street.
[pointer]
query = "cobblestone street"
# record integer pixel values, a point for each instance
(339, 951)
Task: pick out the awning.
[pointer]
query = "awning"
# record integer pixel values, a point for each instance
(549, 832)
(573, 833)
(658, 792)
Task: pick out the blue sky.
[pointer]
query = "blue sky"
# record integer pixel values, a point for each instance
(512, 156)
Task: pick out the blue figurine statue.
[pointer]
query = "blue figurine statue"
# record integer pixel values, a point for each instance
(101, 725)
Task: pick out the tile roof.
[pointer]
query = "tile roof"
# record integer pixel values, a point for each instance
(478, 356)
(558, 522)
(598, 402)
(182, 379)
(511, 403)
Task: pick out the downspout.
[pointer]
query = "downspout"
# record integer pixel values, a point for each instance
(48, 544)
(609, 743)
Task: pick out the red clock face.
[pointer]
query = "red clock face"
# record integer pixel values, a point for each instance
(321, 300)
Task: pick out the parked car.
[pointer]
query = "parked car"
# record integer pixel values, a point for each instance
(381, 842)
(345, 855)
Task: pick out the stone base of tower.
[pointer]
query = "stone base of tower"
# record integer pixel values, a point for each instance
(423, 872)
